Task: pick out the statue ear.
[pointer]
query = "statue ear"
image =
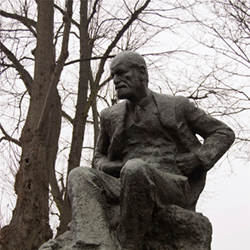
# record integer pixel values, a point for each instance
(142, 71)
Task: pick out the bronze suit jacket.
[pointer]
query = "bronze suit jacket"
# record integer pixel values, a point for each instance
(183, 120)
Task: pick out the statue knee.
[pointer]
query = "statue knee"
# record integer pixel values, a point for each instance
(79, 173)
(134, 167)
(80, 178)
(136, 179)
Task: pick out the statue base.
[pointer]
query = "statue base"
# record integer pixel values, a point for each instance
(173, 228)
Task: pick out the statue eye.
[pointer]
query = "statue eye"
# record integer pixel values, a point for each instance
(120, 72)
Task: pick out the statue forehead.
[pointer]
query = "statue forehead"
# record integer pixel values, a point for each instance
(127, 58)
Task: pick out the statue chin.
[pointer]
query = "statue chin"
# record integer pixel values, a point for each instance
(124, 93)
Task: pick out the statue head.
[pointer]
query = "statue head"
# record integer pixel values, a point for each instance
(130, 76)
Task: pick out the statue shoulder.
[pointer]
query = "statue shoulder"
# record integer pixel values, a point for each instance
(114, 110)
(165, 98)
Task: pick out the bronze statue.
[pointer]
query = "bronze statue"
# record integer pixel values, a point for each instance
(148, 150)
(147, 157)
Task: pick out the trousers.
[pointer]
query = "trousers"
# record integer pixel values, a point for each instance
(141, 189)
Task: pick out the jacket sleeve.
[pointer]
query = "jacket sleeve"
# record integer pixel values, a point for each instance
(218, 137)
(103, 142)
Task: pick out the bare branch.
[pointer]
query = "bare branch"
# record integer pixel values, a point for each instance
(112, 56)
(242, 139)
(67, 116)
(56, 191)
(25, 76)
(64, 13)
(88, 59)
(243, 55)
(29, 23)
(105, 82)
(93, 11)
(7, 137)
(133, 17)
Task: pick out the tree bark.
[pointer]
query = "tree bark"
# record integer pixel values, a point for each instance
(80, 116)
(29, 226)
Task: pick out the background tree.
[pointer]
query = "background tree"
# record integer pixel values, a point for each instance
(29, 226)
(58, 118)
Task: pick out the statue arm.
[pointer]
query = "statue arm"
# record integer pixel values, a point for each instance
(101, 161)
(218, 137)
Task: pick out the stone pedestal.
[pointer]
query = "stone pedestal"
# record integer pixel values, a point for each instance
(172, 228)
(175, 228)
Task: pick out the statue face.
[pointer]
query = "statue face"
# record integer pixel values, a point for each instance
(127, 80)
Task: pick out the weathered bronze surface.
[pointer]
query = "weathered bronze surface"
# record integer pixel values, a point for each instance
(150, 169)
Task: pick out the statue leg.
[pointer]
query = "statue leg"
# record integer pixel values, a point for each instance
(90, 191)
(143, 187)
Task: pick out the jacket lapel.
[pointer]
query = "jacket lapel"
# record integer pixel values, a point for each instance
(118, 120)
(166, 109)
(172, 117)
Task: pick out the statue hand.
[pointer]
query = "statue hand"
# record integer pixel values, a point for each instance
(187, 163)
(112, 167)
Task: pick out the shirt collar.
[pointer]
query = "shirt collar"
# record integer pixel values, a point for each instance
(145, 101)
(142, 103)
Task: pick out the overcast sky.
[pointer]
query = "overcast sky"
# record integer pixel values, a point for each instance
(226, 202)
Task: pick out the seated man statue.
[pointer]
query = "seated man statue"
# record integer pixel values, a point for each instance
(147, 157)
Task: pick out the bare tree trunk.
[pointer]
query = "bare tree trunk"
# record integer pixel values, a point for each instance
(80, 115)
(95, 113)
(29, 226)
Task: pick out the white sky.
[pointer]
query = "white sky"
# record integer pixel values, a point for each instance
(226, 202)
